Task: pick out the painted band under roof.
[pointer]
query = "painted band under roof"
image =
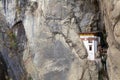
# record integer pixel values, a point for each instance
(89, 39)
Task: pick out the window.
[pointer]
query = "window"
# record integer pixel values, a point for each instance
(90, 47)
(89, 41)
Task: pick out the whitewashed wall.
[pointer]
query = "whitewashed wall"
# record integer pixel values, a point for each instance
(91, 54)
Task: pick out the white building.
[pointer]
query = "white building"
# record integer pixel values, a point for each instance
(90, 40)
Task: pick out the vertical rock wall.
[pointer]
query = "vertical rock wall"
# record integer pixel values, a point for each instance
(12, 57)
(111, 14)
(54, 45)
(54, 50)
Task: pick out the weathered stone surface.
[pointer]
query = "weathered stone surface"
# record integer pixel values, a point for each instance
(111, 13)
(53, 55)
(54, 50)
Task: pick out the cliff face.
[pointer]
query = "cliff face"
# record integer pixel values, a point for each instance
(53, 50)
(111, 15)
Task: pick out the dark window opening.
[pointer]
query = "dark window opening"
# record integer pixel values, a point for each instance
(90, 47)
(89, 41)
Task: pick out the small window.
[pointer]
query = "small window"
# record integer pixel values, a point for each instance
(90, 47)
(89, 41)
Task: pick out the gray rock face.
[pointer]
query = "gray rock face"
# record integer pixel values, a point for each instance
(54, 50)
(55, 57)
(111, 15)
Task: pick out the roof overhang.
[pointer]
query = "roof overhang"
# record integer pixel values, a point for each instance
(90, 33)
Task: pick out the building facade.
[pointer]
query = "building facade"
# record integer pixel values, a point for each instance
(90, 41)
